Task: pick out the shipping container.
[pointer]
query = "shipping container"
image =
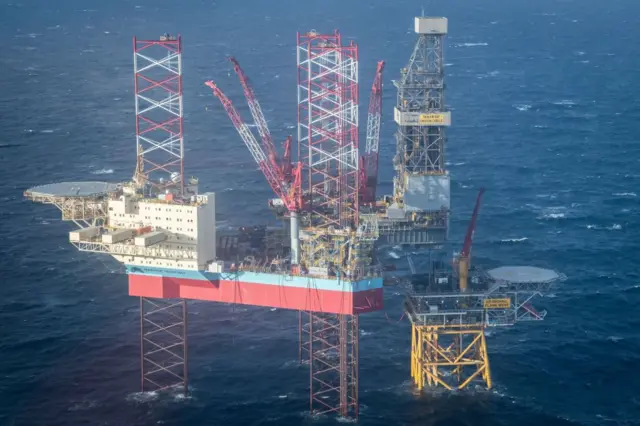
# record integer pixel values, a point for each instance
(150, 238)
(117, 236)
(84, 234)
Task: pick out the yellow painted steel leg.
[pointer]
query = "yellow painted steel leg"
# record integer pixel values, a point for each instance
(442, 357)
(413, 353)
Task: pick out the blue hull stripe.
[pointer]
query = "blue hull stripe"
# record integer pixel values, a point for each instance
(260, 278)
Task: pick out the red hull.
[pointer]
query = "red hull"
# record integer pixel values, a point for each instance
(300, 299)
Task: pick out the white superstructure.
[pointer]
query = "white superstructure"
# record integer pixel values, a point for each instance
(164, 232)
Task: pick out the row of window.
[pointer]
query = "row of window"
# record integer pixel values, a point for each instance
(168, 219)
(159, 209)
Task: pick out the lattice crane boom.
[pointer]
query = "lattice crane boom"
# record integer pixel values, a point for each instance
(286, 159)
(372, 147)
(468, 239)
(288, 196)
(256, 113)
(464, 259)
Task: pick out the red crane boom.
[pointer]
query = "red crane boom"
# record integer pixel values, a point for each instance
(468, 239)
(464, 259)
(256, 113)
(369, 181)
(290, 196)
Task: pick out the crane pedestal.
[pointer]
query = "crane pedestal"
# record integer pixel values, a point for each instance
(163, 344)
(449, 357)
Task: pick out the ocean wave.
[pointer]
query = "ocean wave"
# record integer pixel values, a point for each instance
(624, 194)
(552, 216)
(514, 240)
(549, 196)
(556, 212)
(564, 102)
(614, 227)
(470, 44)
(522, 107)
(102, 172)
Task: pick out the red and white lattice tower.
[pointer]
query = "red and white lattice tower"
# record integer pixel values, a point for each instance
(328, 127)
(328, 148)
(159, 119)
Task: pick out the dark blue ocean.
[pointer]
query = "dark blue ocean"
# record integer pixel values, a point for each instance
(545, 116)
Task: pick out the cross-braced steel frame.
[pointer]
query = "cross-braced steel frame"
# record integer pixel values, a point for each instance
(448, 356)
(159, 120)
(328, 127)
(420, 149)
(334, 244)
(163, 344)
(332, 347)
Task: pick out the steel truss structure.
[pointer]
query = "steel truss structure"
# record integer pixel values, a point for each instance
(330, 344)
(82, 211)
(159, 119)
(450, 357)
(420, 148)
(163, 344)
(448, 347)
(331, 242)
(328, 127)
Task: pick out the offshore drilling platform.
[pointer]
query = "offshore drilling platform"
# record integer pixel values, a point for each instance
(323, 262)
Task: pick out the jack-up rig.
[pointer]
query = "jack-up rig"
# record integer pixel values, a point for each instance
(323, 263)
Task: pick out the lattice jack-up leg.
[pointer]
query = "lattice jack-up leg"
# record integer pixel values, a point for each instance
(333, 351)
(163, 344)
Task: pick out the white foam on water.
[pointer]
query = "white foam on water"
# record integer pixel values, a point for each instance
(470, 44)
(394, 255)
(514, 240)
(554, 216)
(102, 172)
(564, 102)
(614, 227)
(522, 107)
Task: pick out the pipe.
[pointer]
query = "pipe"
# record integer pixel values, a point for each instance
(463, 274)
(295, 238)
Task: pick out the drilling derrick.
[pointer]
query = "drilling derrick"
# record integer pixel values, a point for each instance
(335, 241)
(418, 211)
(449, 308)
